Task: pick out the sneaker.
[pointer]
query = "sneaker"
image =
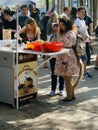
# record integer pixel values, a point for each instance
(52, 93)
(61, 93)
(87, 75)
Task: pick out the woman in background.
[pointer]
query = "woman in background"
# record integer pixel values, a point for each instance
(53, 19)
(49, 29)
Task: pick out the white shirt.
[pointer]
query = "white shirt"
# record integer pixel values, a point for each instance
(82, 29)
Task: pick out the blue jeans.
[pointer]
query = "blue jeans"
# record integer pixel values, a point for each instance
(54, 77)
(84, 57)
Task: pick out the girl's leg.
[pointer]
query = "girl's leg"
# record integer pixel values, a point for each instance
(69, 87)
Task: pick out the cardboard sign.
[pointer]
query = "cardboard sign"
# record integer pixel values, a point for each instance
(6, 34)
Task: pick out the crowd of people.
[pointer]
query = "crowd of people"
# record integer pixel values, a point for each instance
(54, 27)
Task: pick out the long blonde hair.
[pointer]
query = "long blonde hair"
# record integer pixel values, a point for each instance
(33, 23)
(52, 15)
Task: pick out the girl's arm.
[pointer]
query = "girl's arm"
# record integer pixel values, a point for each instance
(19, 32)
(38, 34)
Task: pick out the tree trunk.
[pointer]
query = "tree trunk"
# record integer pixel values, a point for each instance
(91, 8)
(47, 5)
(81, 2)
(53, 3)
(97, 12)
(95, 2)
(63, 4)
(58, 6)
(70, 3)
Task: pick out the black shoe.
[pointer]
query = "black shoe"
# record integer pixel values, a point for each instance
(73, 98)
(67, 100)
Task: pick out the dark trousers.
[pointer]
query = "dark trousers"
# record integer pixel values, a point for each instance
(88, 53)
(54, 77)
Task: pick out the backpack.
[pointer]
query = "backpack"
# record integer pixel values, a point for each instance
(78, 47)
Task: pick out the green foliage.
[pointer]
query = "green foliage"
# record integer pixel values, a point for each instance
(50, 3)
(42, 4)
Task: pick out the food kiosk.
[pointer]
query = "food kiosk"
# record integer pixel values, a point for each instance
(27, 77)
(21, 86)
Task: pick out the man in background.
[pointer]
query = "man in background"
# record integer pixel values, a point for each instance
(89, 24)
(35, 12)
(66, 11)
(23, 16)
(82, 30)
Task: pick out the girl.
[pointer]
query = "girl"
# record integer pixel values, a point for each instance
(67, 65)
(31, 31)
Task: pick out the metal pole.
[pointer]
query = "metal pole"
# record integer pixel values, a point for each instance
(17, 102)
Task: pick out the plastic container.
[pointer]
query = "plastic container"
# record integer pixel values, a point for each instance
(54, 46)
(8, 43)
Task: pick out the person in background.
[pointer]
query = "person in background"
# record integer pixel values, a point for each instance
(9, 22)
(35, 12)
(53, 19)
(23, 16)
(89, 24)
(66, 11)
(42, 14)
(73, 14)
(45, 21)
(44, 35)
(67, 64)
(30, 30)
(82, 30)
(54, 78)
(42, 26)
(49, 29)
